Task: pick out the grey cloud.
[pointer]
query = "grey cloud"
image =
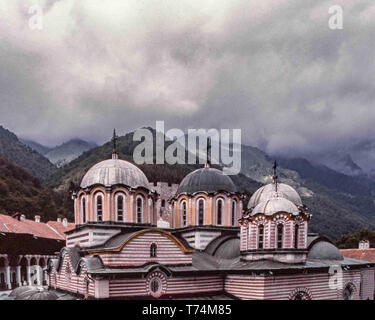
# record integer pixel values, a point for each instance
(275, 71)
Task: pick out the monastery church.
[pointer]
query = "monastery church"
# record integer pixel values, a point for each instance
(213, 246)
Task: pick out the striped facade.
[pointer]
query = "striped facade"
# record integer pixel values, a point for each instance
(248, 287)
(68, 279)
(316, 286)
(137, 252)
(129, 288)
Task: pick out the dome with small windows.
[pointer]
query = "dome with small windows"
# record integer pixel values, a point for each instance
(274, 190)
(206, 179)
(275, 205)
(115, 171)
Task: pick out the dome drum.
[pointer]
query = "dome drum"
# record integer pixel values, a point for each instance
(115, 190)
(206, 197)
(275, 225)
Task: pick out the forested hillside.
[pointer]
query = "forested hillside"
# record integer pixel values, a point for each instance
(16, 151)
(22, 192)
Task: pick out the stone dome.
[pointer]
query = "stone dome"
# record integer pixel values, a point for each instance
(115, 171)
(230, 249)
(269, 191)
(206, 179)
(324, 250)
(275, 205)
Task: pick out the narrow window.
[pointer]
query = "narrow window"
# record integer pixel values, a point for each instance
(296, 236)
(201, 211)
(154, 285)
(139, 209)
(234, 209)
(163, 203)
(83, 209)
(153, 251)
(184, 213)
(260, 236)
(120, 208)
(280, 234)
(99, 208)
(219, 211)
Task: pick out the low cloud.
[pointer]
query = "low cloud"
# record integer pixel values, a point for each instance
(273, 69)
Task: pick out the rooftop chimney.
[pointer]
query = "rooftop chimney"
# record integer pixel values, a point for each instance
(23, 217)
(65, 222)
(37, 218)
(58, 219)
(364, 245)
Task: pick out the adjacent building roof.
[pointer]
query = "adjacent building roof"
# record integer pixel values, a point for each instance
(115, 171)
(50, 230)
(208, 180)
(366, 255)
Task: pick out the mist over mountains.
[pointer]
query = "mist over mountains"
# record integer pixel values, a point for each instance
(64, 153)
(340, 203)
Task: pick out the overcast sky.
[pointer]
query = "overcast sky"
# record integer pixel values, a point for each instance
(272, 68)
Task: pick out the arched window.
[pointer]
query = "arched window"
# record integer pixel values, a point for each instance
(300, 295)
(99, 206)
(155, 285)
(260, 237)
(348, 292)
(183, 213)
(234, 210)
(219, 211)
(83, 208)
(280, 236)
(153, 250)
(200, 212)
(296, 235)
(140, 209)
(120, 206)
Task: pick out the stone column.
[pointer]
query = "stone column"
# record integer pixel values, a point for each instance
(87, 204)
(40, 276)
(132, 208)
(149, 211)
(76, 216)
(212, 213)
(109, 205)
(190, 213)
(29, 276)
(18, 275)
(7, 277)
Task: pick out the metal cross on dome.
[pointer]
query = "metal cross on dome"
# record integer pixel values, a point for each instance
(275, 165)
(114, 139)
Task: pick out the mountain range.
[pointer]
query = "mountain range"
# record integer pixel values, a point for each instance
(340, 203)
(64, 153)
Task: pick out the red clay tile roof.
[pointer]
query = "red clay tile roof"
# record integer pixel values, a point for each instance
(367, 255)
(51, 229)
(59, 227)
